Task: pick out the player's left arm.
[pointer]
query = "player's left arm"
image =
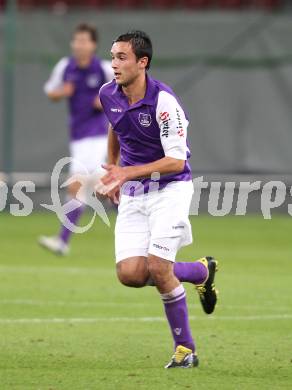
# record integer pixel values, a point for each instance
(164, 166)
(173, 131)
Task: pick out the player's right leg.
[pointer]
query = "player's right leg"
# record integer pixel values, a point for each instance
(133, 271)
(131, 242)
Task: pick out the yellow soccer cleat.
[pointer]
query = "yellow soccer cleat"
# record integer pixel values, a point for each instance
(207, 291)
(183, 358)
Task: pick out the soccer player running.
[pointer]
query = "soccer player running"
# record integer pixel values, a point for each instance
(79, 79)
(147, 135)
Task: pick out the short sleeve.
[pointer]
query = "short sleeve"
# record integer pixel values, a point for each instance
(56, 78)
(173, 126)
(108, 70)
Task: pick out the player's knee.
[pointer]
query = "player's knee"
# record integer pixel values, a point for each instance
(130, 280)
(160, 270)
(128, 275)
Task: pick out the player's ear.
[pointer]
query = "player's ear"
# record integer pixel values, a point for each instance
(143, 62)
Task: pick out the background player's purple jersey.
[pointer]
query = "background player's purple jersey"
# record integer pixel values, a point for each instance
(84, 119)
(150, 129)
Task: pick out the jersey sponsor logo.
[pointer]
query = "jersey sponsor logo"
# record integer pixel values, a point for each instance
(165, 118)
(145, 119)
(116, 109)
(180, 130)
(93, 81)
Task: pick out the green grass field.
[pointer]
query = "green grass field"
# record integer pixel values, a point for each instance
(68, 323)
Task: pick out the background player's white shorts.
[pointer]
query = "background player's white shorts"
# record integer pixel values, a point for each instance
(156, 223)
(88, 154)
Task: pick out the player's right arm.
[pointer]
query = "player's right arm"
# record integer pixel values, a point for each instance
(55, 88)
(113, 158)
(65, 91)
(113, 147)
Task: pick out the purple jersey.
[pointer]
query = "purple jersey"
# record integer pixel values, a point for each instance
(85, 120)
(150, 129)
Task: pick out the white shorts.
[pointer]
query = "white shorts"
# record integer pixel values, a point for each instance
(88, 154)
(156, 223)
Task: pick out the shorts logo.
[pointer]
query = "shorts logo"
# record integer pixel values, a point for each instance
(161, 247)
(178, 227)
(145, 119)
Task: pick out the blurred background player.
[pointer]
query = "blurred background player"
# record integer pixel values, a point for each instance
(79, 78)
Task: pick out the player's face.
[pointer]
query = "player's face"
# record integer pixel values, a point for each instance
(125, 64)
(82, 45)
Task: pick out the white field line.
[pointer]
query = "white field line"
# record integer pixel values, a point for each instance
(62, 270)
(32, 302)
(137, 319)
(35, 302)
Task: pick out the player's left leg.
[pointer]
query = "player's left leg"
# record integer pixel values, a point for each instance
(171, 220)
(201, 273)
(192, 272)
(195, 272)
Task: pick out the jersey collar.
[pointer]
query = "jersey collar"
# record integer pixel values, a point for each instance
(149, 98)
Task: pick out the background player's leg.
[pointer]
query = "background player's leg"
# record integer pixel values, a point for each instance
(174, 300)
(90, 154)
(59, 244)
(74, 215)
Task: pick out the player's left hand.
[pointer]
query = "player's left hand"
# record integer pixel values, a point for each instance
(114, 174)
(114, 195)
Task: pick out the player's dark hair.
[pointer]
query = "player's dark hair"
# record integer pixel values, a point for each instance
(141, 44)
(87, 28)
